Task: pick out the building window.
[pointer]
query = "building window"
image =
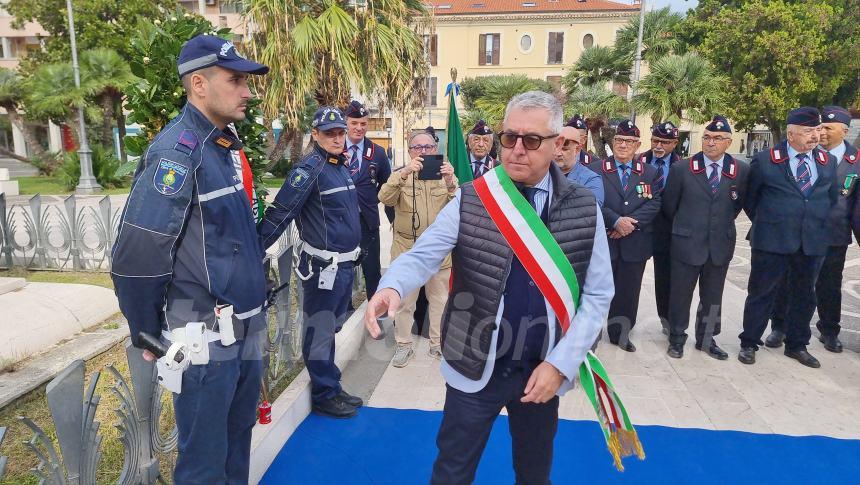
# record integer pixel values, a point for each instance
(488, 50)
(555, 53)
(430, 45)
(587, 41)
(526, 43)
(190, 5)
(555, 82)
(431, 91)
(228, 6)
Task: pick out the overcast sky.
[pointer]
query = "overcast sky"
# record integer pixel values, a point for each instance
(677, 5)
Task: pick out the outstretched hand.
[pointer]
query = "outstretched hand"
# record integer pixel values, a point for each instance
(384, 300)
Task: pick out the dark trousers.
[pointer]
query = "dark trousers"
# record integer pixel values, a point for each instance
(469, 417)
(215, 414)
(324, 312)
(711, 279)
(767, 271)
(370, 264)
(625, 304)
(662, 285)
(828, 295)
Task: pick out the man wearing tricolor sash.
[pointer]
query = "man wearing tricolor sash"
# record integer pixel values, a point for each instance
(532, 283)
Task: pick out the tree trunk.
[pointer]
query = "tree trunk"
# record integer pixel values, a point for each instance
(597, 143)
(107, 102)
(120, 124)
(776, 131)
(279, 148)
(29, 137)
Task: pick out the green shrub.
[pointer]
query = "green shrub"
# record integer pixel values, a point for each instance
(105, 165)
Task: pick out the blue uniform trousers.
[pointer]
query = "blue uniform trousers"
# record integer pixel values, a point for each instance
(370, 264)
(215, 414)
(324, 312)
(767, 271)
(469, 417)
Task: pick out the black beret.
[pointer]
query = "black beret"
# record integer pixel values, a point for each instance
(355, 110)
(576, 122)
(627, 128)
(835, 114)
(481, 128)
(804, 116)
(665, 130)
(719, 123)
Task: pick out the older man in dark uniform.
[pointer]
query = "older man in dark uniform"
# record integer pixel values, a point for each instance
(702, 199)
(632, 200)
(369, 168)
(791, 192)
(479, 141)
(661, 156)
(584, 158)
(828, 288)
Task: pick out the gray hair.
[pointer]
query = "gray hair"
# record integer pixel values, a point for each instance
(538, 100)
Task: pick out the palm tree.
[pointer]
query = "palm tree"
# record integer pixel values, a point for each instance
(659, 36)
(597, 65)
(323, 47)
(11, 99)
(495, 92)
(104, 77)
(680, 86)
(597, 105)
(52, 95)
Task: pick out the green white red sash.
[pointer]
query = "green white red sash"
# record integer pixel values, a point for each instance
(546, 263)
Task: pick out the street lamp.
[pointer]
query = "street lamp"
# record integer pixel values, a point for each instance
(87, 183)
(637, 63)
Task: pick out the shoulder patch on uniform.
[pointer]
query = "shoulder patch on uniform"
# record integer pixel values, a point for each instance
(187, 141)
(299, 177)
(169, 176)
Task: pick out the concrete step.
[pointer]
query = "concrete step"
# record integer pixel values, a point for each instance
(11, 284)
(18, 168)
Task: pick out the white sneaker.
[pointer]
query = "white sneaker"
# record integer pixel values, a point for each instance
(402, 354)
(436, 352)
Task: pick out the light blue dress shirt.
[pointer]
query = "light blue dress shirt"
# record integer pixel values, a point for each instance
(793, 162)
(839, 152)
(589, 178)
(666, 167)
(412, 269)
(708, 168)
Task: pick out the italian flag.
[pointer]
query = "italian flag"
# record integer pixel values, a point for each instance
(547, 265)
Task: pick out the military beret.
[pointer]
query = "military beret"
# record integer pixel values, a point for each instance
(576, 122)
(665, 130)
(719, 123)
(481, 128)
(327, 118)
(627, 128)
(804, 116)
(835, 114)
(356, 110)
(208, 50)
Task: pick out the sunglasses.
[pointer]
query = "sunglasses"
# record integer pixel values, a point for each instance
(530, 142)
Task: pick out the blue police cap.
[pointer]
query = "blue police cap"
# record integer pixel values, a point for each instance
(327, 118)
(719, 123)
(665, 130)
(207, 50)
(804, 116)
(835, 114)
(576, 122)
(356, 110)
(627, 128)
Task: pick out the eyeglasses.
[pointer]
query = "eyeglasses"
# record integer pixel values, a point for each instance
(571, 145)
(422, 147)
(625, 141)
(714, 139)
(530, 142)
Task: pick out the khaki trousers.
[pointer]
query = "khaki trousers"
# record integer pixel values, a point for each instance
(436, 290)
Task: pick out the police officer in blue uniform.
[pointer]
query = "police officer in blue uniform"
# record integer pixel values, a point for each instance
(828, 288)
(661, 156)
(369, 168)
(632, 200)
(321, 196)
(187, 244)
(792, 190)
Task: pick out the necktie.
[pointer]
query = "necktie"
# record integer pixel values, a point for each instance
(478, 171)
(804, 176)
(625, 176)
(353, 161)
(714, 179)
(530, 193)
(660, 180)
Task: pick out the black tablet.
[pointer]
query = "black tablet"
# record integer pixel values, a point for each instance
(432, 167)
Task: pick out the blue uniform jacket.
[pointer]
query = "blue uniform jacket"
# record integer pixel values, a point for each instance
(320, 194)
(840, 216)
(783, 220)
(375, 170)
(187, 238)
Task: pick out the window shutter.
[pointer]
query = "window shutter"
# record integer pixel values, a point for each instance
(496, 49)
(433, 51)
(482, 52)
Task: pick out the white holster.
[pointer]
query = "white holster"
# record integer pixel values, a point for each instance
(193, 341)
